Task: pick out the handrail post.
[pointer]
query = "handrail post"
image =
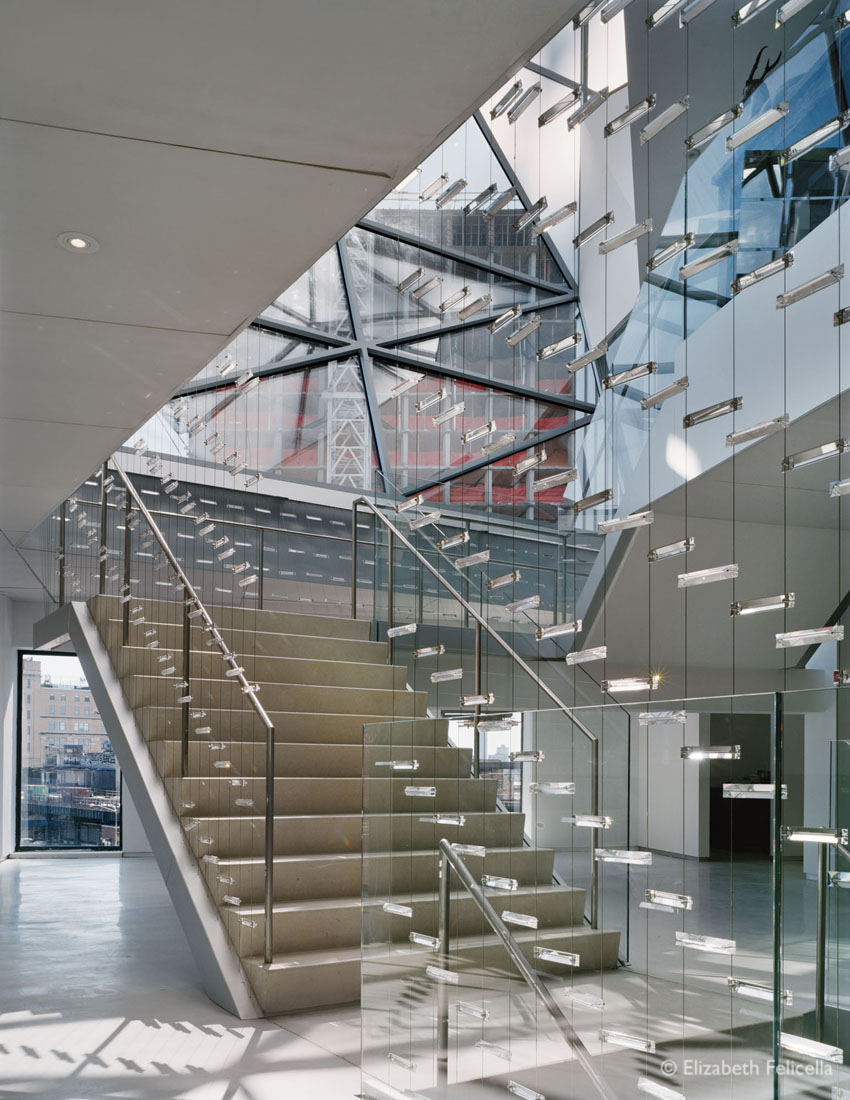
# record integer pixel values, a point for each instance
(354, 559)
(184, 720)
(101, 572)
(268, 931)
(777, 769)
(594, 835)
(390, 595)
(62, 553)
(476, 741)
(125, 591)
(820, 944)
(443, 927)
(262, 571)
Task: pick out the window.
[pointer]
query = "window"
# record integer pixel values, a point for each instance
(76, 710)
(29, 698)
(86, 711)
(87, 813)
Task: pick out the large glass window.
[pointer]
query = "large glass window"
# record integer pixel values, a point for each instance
(69, 786)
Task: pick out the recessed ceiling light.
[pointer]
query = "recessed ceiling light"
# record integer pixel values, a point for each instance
(78, 242)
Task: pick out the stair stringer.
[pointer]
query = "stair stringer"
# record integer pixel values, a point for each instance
(222, 976)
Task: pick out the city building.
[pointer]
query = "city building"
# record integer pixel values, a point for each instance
(425, 511)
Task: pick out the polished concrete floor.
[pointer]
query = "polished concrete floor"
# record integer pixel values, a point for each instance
(99, 998)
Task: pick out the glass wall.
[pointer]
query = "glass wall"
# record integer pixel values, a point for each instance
(69, 786)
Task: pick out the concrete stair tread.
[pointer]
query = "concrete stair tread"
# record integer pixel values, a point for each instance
(203, 654)
(357, 857)
(243, 818)
(523, 893)
(380, 648)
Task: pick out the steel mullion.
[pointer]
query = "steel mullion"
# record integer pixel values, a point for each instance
(475, 322)
(332, 355)
(456, 256)
(550, 74)
(306, 335)
(489, 460)
(412, 363)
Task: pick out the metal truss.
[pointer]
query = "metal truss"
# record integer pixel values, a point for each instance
(351, 433)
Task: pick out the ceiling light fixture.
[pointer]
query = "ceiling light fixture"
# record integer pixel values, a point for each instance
(78, 242)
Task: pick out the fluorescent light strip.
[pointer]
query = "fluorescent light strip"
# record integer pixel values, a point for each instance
(805, 290)
(484, 699)
(630, 115)
(705, 943)
(530, 214)
(426, 288)
(816, 636)
(523, 1091)
(506, 100)
(621, 1039)
(406, 505)
(525, 920)
(529, 463)
(559, 346)
(709, 259)
(711, 412)
(525, 604)
(584, 112)
(752, 790)
(663, 13)
(756, 991)
(499, 882)
(549, 954)
(400, 631)
(479, 432)
(660, 396)
(812, 140)
(593, 230)
(449, 414)
(500, 203)
(410, 280)
(592, 501)
(450, 541)
(757, 125)
(431, 400)
(781, 602)
(691, 11)
(505, 318)
(840, 159)
(524, 102)
(557, 629)
(557, 109)
(707, 132)
(520, 334)
(625, 523)
(499, 444)
(763, 272)
(446, 675)
(631, 683)
(481, 199)
(588, 358)
(454, 299)
(708, 576)
(526, 756)
(662, 121)
(554, 219)
(588, 821)
(554, 787)
(588, 12)
(758, 431)
(815, 454)
(434, 187)
(473, 559)
(564, 478)
(612, 9)
(639, 230)
(663, 717)
(670, 251)
(839, 488)
(430, 651)
(450, 192)
(585, 656)
(424, 521)
(505, 579)
(408, 179)
(748, 11)
(796, 1044)
(630, 375)
(672, 901)
(711, 752)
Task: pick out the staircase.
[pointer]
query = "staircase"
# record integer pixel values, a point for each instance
(321, 680)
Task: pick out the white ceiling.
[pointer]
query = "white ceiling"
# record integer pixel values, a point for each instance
(215, 151)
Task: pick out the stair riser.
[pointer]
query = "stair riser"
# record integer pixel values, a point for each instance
(296, 989)
(312, 929)
(386, 875)
(338, 761)
(235, 837)
(158, 723)
(281, 670)
(311, 647)
(216, 796)
(109, 607)
(143, 691)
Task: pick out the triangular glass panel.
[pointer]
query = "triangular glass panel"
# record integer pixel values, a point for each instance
(316, 300)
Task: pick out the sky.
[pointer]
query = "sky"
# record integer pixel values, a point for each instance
(61, 669)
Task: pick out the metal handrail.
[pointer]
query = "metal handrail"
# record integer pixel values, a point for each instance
(191, 598)
(451, 861)
(482, 624)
